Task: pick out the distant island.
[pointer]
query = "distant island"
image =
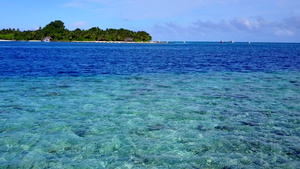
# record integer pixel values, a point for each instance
(56, 31)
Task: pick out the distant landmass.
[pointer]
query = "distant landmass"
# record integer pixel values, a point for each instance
(56, 31)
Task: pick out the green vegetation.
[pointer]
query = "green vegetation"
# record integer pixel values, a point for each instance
(57, 31)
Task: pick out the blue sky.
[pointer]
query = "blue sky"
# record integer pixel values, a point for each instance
(186, 20)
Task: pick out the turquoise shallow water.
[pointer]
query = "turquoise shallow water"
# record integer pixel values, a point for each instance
(169, 120)
(192, 105)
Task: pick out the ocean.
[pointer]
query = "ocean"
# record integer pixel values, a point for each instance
(177, 105)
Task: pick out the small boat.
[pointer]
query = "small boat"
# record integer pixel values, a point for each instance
(227, 42)
(46, 39)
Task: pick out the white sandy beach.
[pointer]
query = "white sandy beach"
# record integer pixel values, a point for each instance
(1, 40)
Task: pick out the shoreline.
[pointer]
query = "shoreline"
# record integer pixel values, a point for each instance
(2, 40)
(151, 42)
(111, 42)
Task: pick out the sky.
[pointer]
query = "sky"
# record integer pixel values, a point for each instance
(165, 20)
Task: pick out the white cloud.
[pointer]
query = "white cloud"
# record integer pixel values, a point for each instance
(283, 32)
(293, 21)
(212, 18)
(238, 28)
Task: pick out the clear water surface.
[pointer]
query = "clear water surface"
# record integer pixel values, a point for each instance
(192, 105)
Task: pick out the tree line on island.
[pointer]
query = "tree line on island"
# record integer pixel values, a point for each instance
(57, 31)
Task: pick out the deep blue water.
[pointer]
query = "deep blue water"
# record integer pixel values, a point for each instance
(192, 105)
(77, 59)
